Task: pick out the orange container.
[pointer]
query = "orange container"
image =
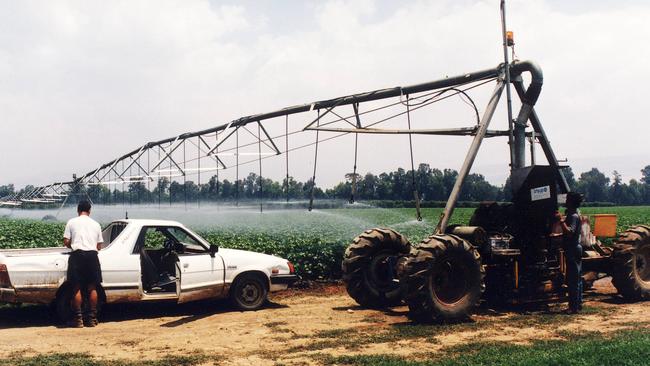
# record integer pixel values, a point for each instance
(605, 225)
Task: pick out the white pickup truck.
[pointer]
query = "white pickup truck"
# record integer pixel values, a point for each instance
(147, 260)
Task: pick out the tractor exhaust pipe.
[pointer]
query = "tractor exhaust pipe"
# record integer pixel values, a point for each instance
(528, 100)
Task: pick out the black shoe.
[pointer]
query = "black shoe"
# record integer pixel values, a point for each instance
(90, 320)
(76, 321)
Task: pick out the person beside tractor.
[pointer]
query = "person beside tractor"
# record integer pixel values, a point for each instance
(573, 250)
(84, 236)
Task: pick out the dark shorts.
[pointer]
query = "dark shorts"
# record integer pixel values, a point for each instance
(84, 268)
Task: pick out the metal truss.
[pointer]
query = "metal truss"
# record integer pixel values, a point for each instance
(221, 147)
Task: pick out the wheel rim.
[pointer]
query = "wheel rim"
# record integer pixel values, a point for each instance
(642, 263)
(250, 293)
(381, 273)
(449, 281)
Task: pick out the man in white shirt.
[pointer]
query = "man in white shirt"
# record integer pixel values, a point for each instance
(84, 236)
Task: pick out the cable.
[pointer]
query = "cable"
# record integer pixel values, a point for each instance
(416, 195)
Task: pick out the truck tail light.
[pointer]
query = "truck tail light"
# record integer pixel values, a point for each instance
(4, 276)
(291, 268)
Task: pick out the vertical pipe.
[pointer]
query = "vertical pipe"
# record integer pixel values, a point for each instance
(469, 159)
(543, 139)
(508, 95)
(519, 146)
(532, 148)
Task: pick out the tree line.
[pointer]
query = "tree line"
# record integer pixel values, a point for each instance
(432, 184)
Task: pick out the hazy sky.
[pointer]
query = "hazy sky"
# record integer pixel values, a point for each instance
(82, 82)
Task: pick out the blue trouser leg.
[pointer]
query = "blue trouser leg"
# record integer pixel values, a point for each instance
(574, 277)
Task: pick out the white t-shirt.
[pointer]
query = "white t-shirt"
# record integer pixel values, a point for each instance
(84, 233)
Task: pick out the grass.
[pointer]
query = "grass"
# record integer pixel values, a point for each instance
(82, 359)
(630, 347)
(355, 338)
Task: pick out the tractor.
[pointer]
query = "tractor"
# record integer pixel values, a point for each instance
(510, 252)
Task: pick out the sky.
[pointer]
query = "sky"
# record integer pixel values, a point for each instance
(82, 82)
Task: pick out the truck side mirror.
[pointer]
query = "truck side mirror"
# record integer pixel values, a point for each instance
(213, 249)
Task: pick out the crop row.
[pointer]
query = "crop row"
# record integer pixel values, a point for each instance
(315, 243)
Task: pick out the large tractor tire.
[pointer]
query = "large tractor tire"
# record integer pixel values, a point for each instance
(443, 279)
(631, 264)
(370, 267)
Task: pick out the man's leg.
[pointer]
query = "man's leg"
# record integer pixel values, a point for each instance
(91, 319)
(580, 284)
(572, 283)
(77, 320)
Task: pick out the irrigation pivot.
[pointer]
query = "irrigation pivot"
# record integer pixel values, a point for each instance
(509, 252)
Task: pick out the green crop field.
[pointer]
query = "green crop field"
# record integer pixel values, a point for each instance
(313, 241)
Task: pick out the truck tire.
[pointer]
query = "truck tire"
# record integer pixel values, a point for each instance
(443, 279)
(62, 304)
(631, 264)
(249, 292)
(370, 267)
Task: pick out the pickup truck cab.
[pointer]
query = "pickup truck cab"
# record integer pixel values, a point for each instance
(148, 260)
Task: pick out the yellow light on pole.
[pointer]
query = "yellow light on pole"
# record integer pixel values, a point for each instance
(510, 38)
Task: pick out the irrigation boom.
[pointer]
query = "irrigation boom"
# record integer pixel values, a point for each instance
(328, 116)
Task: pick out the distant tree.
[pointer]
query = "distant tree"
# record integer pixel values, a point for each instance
(430, 182)
(507, 190)
(99, 193)
(616, 190)
(645, 189)
(593, 184)
(645, 175)
(632, 193)
(476, 188)
(227, 190)
(384, 186)
(7, 190)
(138, 192)
(160, 192)
(448, 180)
(367, 187)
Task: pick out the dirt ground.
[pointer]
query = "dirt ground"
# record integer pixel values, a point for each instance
(297, 328)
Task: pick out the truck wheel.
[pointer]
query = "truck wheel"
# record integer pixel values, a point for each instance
(443, 279)
(370, 267)
(62, 304)
(249, 292)
(631, 264)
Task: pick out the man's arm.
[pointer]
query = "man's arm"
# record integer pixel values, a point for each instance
(100, 238)
(67, 235)
(570, 228)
